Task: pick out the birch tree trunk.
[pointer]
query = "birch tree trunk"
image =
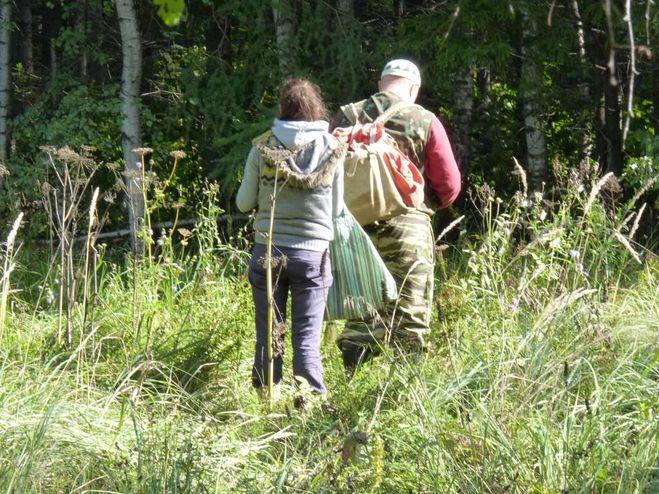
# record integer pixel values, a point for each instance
(282, 12)
(26, 41)
(5, 69)
(531, 84)
(130, 101)
(464, 104)
(586, 133)
(81, 27)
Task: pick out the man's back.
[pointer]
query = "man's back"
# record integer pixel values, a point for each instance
(420, 136)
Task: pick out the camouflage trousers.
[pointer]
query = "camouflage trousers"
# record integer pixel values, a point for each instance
(406, 245)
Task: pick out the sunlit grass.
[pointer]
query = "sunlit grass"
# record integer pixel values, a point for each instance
(543, 378)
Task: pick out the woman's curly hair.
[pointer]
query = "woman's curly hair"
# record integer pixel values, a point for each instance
(300, 99)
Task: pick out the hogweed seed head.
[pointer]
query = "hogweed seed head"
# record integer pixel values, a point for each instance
(142, 151)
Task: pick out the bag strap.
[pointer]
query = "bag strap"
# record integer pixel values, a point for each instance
(351, 113)
(391, 111)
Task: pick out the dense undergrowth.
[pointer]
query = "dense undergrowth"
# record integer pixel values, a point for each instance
(543, 379)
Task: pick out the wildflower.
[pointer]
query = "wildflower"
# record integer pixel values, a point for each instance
(514, 304)
(542, 215)
(537, 196)
(177, 155)
(574, 254)
(544, 237)
(580, 268)
(50, 297)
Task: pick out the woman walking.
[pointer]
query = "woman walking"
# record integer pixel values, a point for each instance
(299, 163)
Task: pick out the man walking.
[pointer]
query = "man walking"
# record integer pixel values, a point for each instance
(405, 242)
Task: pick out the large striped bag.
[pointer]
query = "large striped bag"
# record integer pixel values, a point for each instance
(362, 283)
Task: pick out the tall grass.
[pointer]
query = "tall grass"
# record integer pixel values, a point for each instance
(544, 377)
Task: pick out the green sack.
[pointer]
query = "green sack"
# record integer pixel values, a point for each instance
(362, 283)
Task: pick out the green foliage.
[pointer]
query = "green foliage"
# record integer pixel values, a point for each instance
(170, 11)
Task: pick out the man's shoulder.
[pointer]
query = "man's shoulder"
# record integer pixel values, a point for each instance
(350, 113)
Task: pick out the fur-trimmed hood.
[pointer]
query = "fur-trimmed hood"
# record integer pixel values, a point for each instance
(304, 154)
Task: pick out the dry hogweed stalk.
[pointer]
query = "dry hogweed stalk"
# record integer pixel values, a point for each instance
(177, 155)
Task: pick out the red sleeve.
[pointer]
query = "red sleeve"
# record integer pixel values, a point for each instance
(440, 169)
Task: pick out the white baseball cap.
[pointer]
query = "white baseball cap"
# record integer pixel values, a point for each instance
(402, 68)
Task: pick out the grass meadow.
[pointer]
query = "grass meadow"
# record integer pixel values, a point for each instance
(126, 375)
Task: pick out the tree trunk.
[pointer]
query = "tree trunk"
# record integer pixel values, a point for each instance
(130, 102)
(52, 20)
(282, 12)
(81, 27)
(5, 69)
(464, 103)
(612, 127)
(531, 85)
(25, 28)
(586, 132)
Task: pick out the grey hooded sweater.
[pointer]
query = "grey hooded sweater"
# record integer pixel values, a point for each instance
(309, 184)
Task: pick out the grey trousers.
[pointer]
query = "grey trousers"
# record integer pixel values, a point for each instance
(308, 276)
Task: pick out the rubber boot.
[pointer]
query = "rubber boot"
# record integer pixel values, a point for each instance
(354, 356)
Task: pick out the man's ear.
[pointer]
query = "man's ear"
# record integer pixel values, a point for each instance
(414, 92)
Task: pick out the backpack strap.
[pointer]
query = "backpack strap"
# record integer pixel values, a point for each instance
(391, 111)
(351, 112)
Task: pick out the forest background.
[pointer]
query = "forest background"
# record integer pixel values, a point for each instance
(127, 370)
(544, 81)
